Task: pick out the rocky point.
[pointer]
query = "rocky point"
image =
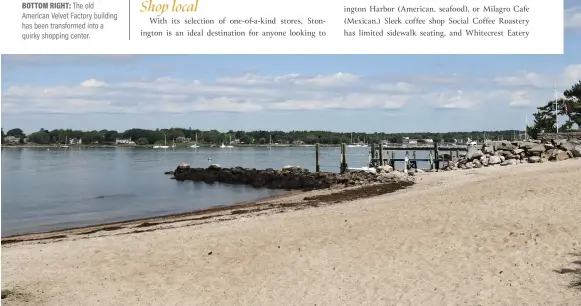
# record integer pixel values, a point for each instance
(289, 178)
(506, 153)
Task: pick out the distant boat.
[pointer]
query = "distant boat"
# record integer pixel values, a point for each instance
(223, 146)
(173, 143)
(65, 145)
(353, 145)
(364, 145)
(195, 145)
(164, 146)
(230, 145)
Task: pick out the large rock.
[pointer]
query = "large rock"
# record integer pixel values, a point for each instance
(567, 146)
(576, 151)
(504, 145)
(385, 169)
(488, 150)
(527, 145)
(560, 156)
(494, 160)
(473, 153)
(509, 162)
(537, 149)
(534, 159)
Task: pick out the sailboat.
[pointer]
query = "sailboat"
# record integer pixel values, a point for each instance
(230, 145)
(165, 146)
(270, 143)
(66, 141)
(364, 145)
(195, 145)
(223, 146)
(351, 145)
(173, 145)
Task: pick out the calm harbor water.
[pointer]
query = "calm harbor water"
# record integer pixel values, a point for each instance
(53, 189)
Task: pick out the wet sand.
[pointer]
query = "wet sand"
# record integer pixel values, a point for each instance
(493, 236)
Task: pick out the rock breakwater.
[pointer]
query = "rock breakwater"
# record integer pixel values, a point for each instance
(506, 153)
(289, 178)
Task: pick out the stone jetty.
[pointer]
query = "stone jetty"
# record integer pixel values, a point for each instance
(506, 153)
(289, 178)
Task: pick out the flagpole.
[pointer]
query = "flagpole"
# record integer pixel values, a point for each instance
(556, 112)
(526, 126)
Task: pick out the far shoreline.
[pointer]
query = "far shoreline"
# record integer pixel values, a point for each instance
(152, 146)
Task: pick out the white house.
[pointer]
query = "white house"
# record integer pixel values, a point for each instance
(124, 141)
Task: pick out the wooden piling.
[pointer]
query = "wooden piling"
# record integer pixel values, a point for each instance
(317, 155)
(437, 155)
(343, 166)
(380, 154)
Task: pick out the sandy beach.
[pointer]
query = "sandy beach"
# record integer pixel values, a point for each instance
(490, 236)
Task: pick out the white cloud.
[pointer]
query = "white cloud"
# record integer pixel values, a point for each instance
(254, 93)
(534, 81)
(573, 18)
(92, 83)
(520, 99)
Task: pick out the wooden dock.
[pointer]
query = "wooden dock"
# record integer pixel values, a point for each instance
(381, 155)
(385, 155)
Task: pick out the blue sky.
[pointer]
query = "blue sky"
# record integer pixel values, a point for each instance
(285, 92)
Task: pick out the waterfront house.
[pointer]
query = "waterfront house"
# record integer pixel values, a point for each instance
(75, 141)
(11, 139)
(124, 141)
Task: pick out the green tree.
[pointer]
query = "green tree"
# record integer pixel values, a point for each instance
(41, 137)
(16, 133)
(3, 135)
(571, 106)
(544, 120)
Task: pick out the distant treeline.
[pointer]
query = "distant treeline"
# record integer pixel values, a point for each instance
(181, 135)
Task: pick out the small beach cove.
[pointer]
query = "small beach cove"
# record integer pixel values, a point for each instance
(68, 188)
(506, 230)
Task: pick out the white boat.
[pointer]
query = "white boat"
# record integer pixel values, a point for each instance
(353, 145)
(223, 146)
(173, 145)
(65, 145)
(364, 145)
(230, 145)
(164, 146)
(270, 142)
(195, 145)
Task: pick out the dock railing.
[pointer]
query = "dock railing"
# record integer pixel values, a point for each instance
(381, 155)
